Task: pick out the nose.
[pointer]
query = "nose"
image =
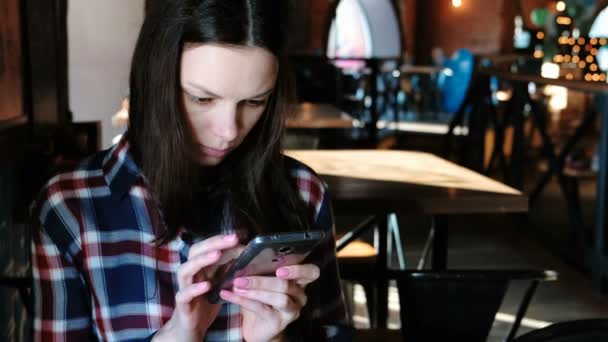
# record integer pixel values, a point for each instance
(226, 124)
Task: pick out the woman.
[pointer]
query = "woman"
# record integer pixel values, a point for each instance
(129, 242)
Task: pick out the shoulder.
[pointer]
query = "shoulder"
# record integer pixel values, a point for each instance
(59, 204)
(311, 187)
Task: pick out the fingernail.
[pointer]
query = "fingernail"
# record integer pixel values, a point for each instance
(241, 282)
(230, 237)
(282, 272)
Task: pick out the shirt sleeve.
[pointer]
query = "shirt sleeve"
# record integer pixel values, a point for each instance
(325, 317)
(61, 307)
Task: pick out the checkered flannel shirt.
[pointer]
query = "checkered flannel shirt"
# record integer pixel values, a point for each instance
(98, 276)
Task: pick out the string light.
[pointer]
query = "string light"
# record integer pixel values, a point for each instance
(569, 76)
(571, 41)
(603, 41)
(589, 59)
(593, 67)
(456, 3)
(588, 77)
(558, 58)
(564, 20)
(593, 41)
(576, 48)
(540, 35)
(560, 6)
(539, 54)
(595, 77)
(594, 51)
(567, 59)
(581, 41)
(582, 64)
(603, 77)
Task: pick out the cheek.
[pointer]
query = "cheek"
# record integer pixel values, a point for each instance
(249, 120)
(198, 121)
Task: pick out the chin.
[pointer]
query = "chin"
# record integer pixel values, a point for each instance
(209, 161)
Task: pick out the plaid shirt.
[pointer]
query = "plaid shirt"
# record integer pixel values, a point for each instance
(98, 276)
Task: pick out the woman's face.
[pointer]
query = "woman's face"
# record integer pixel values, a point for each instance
(225, 91)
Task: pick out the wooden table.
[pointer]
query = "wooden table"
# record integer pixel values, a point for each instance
(599, 249)
(380, 182)
(318, 116)
(405, 181)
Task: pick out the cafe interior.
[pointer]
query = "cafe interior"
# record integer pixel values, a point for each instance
(464, 144)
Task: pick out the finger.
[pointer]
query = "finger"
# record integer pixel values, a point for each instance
(246, 303)
(215, 243)
(272, 284)
(227, 256)
(186, 271)
(230, 254)
(302, 274)
(287, 302)
(188, 293)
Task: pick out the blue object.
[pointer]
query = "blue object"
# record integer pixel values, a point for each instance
(455, 79)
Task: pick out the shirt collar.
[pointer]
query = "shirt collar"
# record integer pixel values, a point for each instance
(119, 168)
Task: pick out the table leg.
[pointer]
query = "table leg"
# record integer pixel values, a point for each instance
(600, 263)
(440, 243)
(382, 267)
(518, 102)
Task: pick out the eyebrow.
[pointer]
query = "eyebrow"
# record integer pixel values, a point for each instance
(210, 93)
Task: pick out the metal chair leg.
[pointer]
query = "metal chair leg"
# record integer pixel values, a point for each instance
(427, 247)
(396, 235)
(523, 307)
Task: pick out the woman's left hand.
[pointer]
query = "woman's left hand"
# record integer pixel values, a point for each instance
(269, 304)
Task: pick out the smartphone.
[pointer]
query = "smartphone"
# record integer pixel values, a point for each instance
(264, 255)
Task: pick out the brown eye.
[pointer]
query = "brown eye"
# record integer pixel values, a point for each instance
(200, 100)
(255, 103)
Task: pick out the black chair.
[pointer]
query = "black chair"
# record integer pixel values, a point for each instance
(589, 330)
(459, 305)
(23, 285)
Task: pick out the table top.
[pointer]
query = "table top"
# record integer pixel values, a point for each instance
(319, 115)
(420, 69)
(407, 181)
(596, 87)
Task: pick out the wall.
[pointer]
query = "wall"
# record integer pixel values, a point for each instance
(11, 81)
(101, 39)
(484, 26)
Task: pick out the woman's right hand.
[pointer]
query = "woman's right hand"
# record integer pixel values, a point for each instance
(193, 314)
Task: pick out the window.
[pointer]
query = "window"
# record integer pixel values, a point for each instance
(364, 29)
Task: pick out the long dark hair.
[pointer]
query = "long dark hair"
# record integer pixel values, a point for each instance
(254, 176)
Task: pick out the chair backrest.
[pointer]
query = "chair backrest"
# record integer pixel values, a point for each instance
(590, 330)
(316, 79)
(453, 305)
(455, 80)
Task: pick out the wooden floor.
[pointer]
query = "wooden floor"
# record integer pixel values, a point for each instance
(496, 241)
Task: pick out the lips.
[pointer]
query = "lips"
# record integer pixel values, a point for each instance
(214, 152)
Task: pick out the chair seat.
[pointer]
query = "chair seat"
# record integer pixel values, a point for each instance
(357, 260)
(358, 249)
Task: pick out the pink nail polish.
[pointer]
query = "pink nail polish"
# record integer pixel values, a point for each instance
(230, 237)
(282, 272)
(242, 283)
